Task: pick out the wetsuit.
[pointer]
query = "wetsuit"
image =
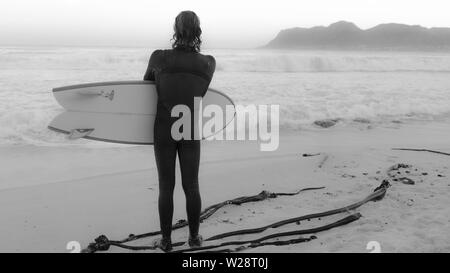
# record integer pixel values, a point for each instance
(180, 75)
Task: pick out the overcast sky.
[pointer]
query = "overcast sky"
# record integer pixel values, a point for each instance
(225, 23)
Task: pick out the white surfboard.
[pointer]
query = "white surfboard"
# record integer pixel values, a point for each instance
(117, 128)
(131, 97)
(119, 112)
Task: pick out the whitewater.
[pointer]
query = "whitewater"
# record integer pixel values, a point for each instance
(377, 87)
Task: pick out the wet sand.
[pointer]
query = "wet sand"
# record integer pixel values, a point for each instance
(52, 195)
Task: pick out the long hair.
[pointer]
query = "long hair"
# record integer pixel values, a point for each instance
(187, 32)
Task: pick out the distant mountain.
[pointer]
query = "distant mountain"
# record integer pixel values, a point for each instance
(346, 35)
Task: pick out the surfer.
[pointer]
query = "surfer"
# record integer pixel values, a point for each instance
(181, 74)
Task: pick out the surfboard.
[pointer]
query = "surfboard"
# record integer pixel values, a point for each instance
(130, 97)
(118, 112)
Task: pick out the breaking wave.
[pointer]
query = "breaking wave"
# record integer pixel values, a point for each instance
(333, 62)
(306, 84)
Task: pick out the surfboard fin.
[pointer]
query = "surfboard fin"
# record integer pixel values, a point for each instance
(109, 95)
(79, 133)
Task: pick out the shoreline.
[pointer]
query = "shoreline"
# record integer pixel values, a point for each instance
(77, 193)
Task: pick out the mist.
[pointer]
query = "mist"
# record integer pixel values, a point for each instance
(226, 24)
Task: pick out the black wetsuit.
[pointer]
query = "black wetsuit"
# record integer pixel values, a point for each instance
(180, 75)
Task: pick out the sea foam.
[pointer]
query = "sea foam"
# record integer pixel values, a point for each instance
(308, 85)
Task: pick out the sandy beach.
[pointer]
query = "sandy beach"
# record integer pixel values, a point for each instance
(319, 127)
(53, 195)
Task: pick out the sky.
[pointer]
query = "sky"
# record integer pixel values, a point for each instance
(225, 23)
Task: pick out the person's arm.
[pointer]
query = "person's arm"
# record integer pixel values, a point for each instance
(210, 70)
(152, 66)
(212, 64)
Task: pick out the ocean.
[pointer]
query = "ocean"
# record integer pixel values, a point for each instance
(377, 87)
